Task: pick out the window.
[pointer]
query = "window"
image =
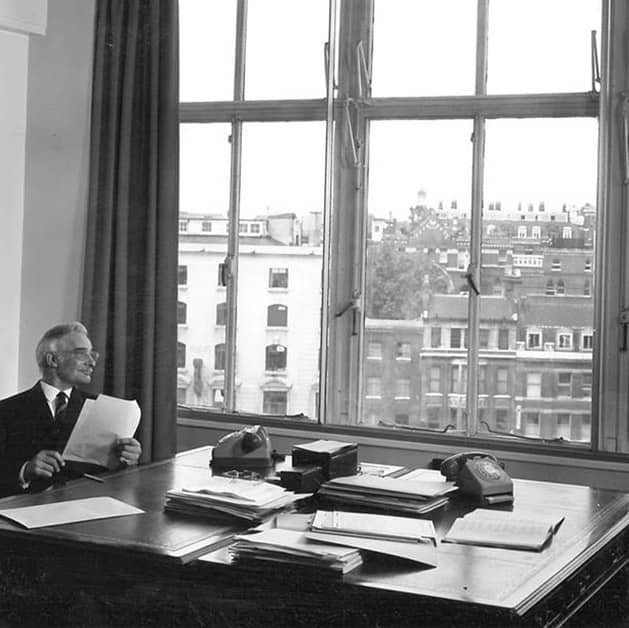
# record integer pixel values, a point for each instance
(534, 385)
(563, 426)
(458, 379)
(586, 384)
(403, 351)
(275, 402)
(182, 313)
(564, 384)
(402, 389)
(502, 381)
(435, 337)
(586, 341)
(206, 226)
(183, 226)
(502, 421)
(550, 287)
(275, 358)
(182, 275)
(181, 355)
(456, 338)
(561, 287)
(374, 350)
(278, 278)
(531, 423)
(564, 340)
(587, 290)
(326, 163)
(219, 357)
(434, 385)
(533, 340)
(277, 315)
(374, 387)
(221, 313)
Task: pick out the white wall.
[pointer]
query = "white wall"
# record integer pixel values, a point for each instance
(56, 175)
(13, 72)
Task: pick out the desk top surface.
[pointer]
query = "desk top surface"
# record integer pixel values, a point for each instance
(508, 579)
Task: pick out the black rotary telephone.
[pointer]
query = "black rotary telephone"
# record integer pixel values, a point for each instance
(479, 474)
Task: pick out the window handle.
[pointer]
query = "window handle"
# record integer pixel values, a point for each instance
(469, 276)
(596, 72)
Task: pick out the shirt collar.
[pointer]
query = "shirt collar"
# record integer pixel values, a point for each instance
(50, 392)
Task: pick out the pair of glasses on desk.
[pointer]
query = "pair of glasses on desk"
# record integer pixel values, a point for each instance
(252, 476)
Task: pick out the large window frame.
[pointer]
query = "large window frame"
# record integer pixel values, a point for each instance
(348, 110)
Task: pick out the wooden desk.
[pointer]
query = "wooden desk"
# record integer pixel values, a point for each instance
(128, 570)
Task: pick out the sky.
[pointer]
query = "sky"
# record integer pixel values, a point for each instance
(532, 48)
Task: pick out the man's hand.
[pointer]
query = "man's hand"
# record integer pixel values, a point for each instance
(43, 465)
(127, 451)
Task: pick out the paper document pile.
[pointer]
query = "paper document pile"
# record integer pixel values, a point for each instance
(410, 539)
(245, 499)
(293, 547)
(499, 528)
(387, 493)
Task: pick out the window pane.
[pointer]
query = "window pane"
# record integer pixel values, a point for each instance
(273, 28)
(204, 201)
(419, 186)
(420, 50)
(540, 46)
(280, 265)
(542, 278)
(207, 44)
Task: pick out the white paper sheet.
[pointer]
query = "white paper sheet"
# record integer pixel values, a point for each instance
(58, 513)
(100, 423)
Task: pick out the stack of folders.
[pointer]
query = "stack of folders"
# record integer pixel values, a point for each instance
(404, 537)
(293, 547)
(504, 529)
(221, 496)
(401, 495)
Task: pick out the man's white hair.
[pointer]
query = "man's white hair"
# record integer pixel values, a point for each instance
(48, 341)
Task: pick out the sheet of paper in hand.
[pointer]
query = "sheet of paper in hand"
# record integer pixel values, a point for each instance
(101, 422)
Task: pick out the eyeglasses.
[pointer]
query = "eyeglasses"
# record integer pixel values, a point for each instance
(243, 475)
(83, 354)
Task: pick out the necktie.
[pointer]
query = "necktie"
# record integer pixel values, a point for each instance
(61, 403)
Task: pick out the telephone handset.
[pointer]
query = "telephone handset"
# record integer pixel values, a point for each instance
(479, 474)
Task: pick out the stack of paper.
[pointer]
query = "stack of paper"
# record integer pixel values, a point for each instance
(219, 495)
(293, 547)
(410, 539)
(499, 528)
(387, 493)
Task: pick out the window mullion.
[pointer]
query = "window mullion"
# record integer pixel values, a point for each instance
(474, 268)
(231, 261)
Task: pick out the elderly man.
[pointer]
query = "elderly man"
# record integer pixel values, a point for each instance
(35, 424)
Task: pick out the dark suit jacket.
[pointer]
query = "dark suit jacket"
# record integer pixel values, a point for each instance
(26, 427)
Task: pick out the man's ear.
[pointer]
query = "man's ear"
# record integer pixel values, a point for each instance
(51, 360)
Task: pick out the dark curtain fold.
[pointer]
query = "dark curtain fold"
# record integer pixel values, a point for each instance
(130, 278)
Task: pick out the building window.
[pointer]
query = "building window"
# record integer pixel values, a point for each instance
(567, 233)
(587, 266)
(275, 402)
(374, 388)
(483, 339)
(502, 381)
(536, 233)
(502, 422)
(550, 287)
(564, 340)
(182, 313)
(586, 341)
(503, 339)
(374, 350)
(219, 357)
(585, 428)
(521, 232)
(456, 338)
(564, 384)
(181, 355)
(275, 358)
(221, 313)
(183, 226)
(556, 264)
(402, 389)
(434, 385)
(277, 315)
(182, 275)
(482, 380)
(278, 278)
(435, 337)
(587, 290)
(401, 419)
(563, 426)
(458, 379)
(255, 228)
(533, 340)
(534, 385)
(586, 384)
(531, 423)
(403, 351)
(206, 226)
(561, 287)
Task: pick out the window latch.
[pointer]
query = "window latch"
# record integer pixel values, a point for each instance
(353, 305)
(469, 277)
(596, 72)
(623, 320)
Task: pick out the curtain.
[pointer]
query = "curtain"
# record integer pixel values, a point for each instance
(130, 275)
